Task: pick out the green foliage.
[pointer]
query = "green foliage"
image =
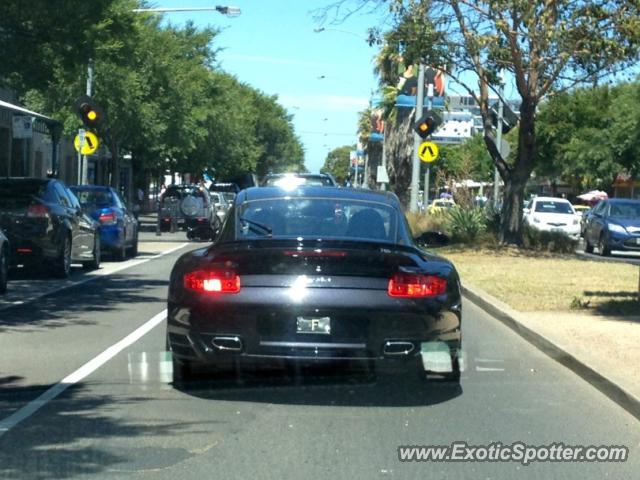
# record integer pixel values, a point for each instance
(337, 162)
(165, 102)
(469, 159)
(556, 242)
(466, 224)
(588, 136)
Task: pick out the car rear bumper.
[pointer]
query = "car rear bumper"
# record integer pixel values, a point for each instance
(384, 330)
(111, 237)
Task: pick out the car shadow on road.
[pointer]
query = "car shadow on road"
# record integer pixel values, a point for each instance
(324, 387)
(75, 305)
(73, 436)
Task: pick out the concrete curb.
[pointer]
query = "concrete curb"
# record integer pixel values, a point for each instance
(508, 316)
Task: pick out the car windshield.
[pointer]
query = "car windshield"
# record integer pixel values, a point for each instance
(19, 194)
(550, 206)
(324, 218)
(626, 210)
(93, 197)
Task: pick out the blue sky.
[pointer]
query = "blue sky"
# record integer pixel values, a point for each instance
(324, 79)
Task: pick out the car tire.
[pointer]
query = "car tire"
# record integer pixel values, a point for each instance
(4, 270)
(134, 247)
(62, 264)
(121, 252)
(602, 247)
(94, 264)
(183, 371)
(588, 248)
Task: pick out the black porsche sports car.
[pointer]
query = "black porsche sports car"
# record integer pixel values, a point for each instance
(314, 274)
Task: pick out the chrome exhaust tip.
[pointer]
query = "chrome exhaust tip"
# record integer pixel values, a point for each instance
(229, 344)
(398, 348)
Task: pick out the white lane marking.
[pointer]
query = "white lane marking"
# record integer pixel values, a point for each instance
(93, 275)
(88, 368)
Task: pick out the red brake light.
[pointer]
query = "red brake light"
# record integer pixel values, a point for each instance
(410, 285)
(38, 211)
(212, 281)
(108, 218)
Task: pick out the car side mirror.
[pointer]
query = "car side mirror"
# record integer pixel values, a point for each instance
(526, 211)
(432, 239)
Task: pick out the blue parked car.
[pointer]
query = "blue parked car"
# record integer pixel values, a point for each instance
(118, 226)
(613, 224)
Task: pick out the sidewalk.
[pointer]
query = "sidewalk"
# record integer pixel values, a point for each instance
(605, 351)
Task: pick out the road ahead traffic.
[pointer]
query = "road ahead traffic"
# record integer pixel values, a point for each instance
(120, 416)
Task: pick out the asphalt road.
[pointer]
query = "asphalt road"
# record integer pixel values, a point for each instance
(120, 417)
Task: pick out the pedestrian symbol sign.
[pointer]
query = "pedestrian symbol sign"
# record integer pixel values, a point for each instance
(428, 151)
(90, 144)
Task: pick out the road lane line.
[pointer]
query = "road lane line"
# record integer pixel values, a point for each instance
(81, 373)
(94, 275)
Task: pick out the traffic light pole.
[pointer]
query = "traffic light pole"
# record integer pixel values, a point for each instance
(84, 163)
(427, 175)
(415, 166)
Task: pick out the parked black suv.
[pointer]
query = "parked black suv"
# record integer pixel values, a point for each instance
(46, 226)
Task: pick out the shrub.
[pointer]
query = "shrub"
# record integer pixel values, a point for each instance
(466, 224)
(421, 223)
(556, 242)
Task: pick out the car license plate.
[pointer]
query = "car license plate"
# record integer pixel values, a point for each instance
(638, 241)
(321, 325)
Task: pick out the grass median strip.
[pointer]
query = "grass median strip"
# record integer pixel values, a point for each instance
(533, 281)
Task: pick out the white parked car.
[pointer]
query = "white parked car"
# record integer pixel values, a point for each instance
(551, 214)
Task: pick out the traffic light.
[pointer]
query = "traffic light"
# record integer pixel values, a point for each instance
(427, 124)
(89, 112)
(509, 118)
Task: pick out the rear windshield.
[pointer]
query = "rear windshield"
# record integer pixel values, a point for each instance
(294, 181)
(553, 207)
(317, 218)
(21, 194)
(625, 210)
(94, 197)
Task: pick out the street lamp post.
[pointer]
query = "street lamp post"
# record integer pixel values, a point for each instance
(224, 10)
(324, 29)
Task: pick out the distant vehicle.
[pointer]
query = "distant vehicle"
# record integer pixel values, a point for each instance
(317, 274)
(226, 187)
(46, 226)
(293, 180)
(4, 261)
(118, 225)
(613, 224)
(581, 209)
(551, 214)
(441, 205)
(191, 208)
(220, 204)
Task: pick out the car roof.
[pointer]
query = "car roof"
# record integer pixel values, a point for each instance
(89, 187)
(266, 193)
(552, 199)
(622, 200)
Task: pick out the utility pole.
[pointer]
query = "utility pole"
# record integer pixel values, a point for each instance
(415, 167)
(496, 173)
(383, 185)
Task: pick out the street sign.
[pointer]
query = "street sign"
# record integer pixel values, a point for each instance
(428, 152)
(90, 144)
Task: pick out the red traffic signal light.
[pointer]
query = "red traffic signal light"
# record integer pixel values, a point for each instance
(89, 112)
(427, 124)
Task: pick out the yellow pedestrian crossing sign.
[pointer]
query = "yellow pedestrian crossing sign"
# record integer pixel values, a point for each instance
(428, 152)
(90, 144)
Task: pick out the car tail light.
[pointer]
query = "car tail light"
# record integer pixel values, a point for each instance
(38, 211)
(212, 281)
(108, 218)
(410, 285)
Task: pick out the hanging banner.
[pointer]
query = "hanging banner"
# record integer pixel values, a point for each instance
(408, 87)
(22, 126)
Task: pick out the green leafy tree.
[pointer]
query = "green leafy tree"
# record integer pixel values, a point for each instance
(337, 163)
(544, 46)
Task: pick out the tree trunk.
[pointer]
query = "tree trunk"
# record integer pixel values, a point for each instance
(399, 154)
(516, 178)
